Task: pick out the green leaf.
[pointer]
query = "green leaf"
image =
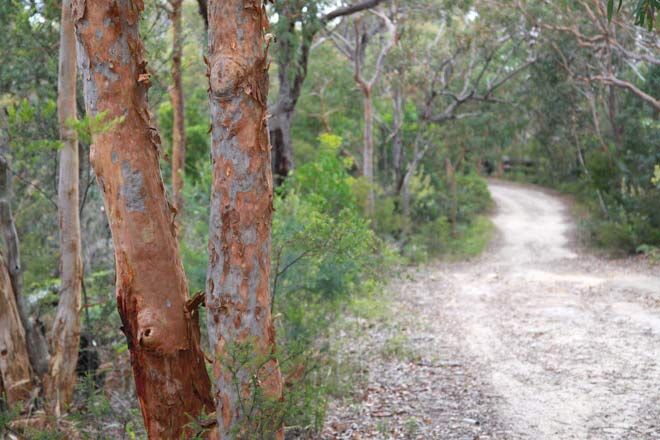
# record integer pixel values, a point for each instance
(610, 9)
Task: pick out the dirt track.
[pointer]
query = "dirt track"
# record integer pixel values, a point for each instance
(548, 343)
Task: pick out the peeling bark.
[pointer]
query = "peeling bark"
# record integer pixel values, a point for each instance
(36, 340)
(162, 332)
(60, 381)
(237, 294)
(176, 95)
(14, 361)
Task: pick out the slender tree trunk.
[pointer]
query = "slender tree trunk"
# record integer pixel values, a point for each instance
(451, 176)
(60, 381)
(291, 58)
(612, 112)
(14, 360)
(36, 340)
(368, 149)
(176, 95)
(161, 329)
(282, 145)
(237, 294)
(397, 139)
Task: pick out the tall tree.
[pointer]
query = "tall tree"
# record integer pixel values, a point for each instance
(356, 52)
(298, 23)
(237, 293)
(37, 345)
(60, 381)
(176, 96)
(160, 325)
(15, 376)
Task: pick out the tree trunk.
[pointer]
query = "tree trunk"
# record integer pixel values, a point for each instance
(397, 138)
(60, 381)
(612, 112)
(36, 340)
(453, 214)
(282, 146)
(161, 328)
(240, 326)
(368, 149)
(14, 360)
(291, 73)
(176, 95)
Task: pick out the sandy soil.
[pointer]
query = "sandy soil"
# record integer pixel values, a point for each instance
(534, 340)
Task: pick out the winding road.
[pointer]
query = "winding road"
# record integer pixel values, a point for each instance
(536, 339)
(570, 342)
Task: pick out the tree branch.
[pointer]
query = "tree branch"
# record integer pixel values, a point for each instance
(351, 9)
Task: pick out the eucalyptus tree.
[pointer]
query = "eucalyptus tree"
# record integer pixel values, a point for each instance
(159, 322)
(353, 42)
(246, 372)
(466, 60)
(176, 96)
(298, 22)
(61, 379)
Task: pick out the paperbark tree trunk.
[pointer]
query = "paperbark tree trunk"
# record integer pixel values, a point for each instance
(176, 95)
(36, 340)
(14, 360)
(237, 294)
(161, 328)
(60, 381)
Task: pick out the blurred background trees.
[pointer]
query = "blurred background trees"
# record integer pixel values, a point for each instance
(552, 93)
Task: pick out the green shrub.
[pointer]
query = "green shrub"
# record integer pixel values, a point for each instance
(324, 252)
(433, 234)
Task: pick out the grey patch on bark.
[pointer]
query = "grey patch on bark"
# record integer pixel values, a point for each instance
(113, 157)
(107, 22)
(132, 190)
(120, 51)
(98, 34)
(89, 86)
(249, 236)
(105, 69)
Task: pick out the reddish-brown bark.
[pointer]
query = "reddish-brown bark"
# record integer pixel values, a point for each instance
(14, 362)
(36, 340)
(176, 96)
(237, 295)
(60, 381)
(162, 334)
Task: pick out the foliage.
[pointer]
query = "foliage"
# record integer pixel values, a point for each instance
(323, 248)
(433, 234)
(644, 11)
(324, 253)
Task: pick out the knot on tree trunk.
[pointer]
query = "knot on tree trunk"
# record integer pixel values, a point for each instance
(226, 74)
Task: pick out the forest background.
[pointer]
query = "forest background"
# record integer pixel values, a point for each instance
(385, 121)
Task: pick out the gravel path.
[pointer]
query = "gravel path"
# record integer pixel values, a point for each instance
(534, 340)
